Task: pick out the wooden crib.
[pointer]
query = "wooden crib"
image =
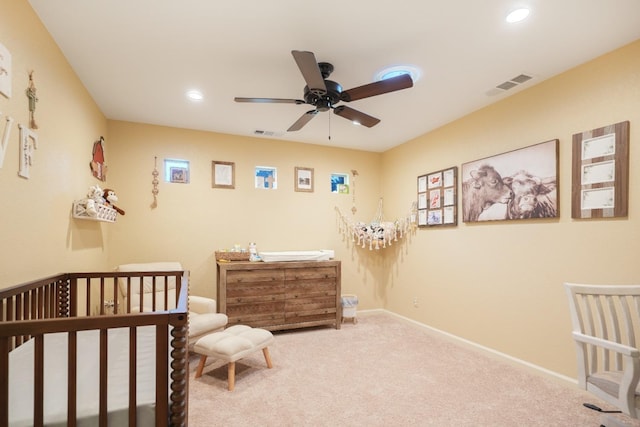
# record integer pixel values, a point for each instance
(69, 341)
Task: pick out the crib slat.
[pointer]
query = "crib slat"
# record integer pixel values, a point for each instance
(133, 372)
(153, 293)
(102, 297)
(38, 381)
(18, 316)
(116, 309)
(103, 378)
(88, 292)
(33, 304)
(162, 374)
(4, 380)
(72, 374)
(47, 303)
(166, 293)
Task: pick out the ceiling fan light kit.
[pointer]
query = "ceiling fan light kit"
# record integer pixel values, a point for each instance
(324, 94)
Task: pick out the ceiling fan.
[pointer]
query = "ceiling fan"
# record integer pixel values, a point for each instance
(324, 94)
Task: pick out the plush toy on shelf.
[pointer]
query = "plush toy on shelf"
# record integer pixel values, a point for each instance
(94, 197)
(110, 197)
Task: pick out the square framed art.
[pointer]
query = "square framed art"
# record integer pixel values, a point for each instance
(303, 179)
(224, 174)
(437, 198)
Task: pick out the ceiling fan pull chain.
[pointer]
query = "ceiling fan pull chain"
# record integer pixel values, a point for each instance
(329, 127)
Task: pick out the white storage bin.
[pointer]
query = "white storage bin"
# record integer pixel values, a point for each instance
(349, 307)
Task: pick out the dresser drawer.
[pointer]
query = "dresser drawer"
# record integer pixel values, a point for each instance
(254, 276)
(282, 295)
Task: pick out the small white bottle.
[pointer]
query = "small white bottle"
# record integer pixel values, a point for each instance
(253, 252)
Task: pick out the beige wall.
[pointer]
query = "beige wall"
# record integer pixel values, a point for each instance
(500, 284)
(192, 221)
(38, 236)
(495, 284)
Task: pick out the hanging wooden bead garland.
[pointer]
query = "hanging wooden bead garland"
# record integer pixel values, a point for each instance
(155, 183)
(353, 192)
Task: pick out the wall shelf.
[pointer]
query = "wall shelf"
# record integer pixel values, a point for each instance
(105, 213)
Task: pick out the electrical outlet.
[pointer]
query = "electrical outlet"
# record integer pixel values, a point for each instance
(415, 301)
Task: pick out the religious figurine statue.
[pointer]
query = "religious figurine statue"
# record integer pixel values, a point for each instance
(31, 94)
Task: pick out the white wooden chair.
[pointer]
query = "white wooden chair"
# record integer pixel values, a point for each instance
(606, 327)
(203, 318)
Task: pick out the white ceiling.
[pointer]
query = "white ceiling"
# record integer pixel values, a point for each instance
(137, 58)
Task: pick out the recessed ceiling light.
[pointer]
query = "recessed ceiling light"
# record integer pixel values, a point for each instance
(195, 95)
(517, 15)
(398, 70)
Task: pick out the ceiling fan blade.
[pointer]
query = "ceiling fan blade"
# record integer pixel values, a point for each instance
(402, 81)
(303, 120)
(310, 71)
(356, 116)
(270, 100)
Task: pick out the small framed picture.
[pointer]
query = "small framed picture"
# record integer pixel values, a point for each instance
(340, 183)
(176, 171)
(179, 175)
(304, 179)
(266, 177)
(224, 174)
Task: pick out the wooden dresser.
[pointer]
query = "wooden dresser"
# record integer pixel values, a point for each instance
(280, 295)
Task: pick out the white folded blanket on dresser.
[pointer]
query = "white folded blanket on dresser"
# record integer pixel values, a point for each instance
(322, 255)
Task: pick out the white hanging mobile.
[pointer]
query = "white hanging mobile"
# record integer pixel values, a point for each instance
(378, 233)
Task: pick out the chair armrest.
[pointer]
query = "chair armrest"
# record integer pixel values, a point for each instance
(201, 305)
(609, 345)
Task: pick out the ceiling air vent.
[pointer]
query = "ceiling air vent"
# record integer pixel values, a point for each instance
(517, 80)
(267, 133)
(521, 78)
(506, 85)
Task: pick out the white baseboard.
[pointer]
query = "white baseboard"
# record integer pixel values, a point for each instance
(479, 347)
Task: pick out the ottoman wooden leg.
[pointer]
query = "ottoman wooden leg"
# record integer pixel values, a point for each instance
(267, 357)
(201, 366)
(231, 373)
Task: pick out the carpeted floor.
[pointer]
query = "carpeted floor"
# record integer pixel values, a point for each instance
(382, 371)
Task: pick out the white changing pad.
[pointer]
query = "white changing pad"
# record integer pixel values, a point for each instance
(322, 255)
(55, 382)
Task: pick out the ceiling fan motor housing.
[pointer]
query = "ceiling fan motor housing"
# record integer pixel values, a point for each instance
(326, 101)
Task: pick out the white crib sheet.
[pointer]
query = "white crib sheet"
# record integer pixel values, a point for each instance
(55, 382)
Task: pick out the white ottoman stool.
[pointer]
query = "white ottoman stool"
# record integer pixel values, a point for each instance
(233, 344)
